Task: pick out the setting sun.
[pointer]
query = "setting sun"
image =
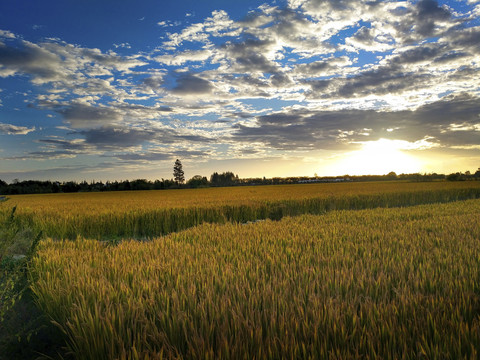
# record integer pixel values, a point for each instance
(379, 157)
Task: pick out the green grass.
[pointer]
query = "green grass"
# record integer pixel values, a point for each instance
(25, 331)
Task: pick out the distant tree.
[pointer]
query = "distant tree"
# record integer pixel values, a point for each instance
(125, 185)
(3, 186)
(140, 184)
(159, 184)
(56, 187)
(70, 186)
(225, 179)
(455, 177)
(197, 181)
(391, 175)
(178, 173)
(84, 186)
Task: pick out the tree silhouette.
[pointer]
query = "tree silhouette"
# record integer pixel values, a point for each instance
(178, 173)
(225, 179)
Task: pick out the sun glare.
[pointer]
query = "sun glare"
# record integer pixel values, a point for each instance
(378, 158)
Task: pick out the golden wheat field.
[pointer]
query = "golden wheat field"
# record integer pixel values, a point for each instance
(384, 283)
(146, 214)
(311, 271)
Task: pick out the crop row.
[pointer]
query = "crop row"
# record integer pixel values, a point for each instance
(382, 283)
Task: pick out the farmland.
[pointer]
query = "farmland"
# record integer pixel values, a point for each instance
(332, 271)
(146, 214)
(381, 283)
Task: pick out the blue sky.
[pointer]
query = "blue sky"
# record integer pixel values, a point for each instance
(111, 90)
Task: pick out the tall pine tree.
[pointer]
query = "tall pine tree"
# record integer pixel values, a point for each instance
(178, 173)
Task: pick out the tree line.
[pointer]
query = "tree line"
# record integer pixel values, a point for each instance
(43, 187)
(227, 178)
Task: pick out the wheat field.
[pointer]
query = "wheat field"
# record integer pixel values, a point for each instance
(389, 283)
(147, 214)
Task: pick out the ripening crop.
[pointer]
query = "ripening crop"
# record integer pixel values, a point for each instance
(147, 214)
(389, 283)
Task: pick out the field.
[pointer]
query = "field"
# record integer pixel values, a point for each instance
(393, 280)
(146, 214)
(388, 283)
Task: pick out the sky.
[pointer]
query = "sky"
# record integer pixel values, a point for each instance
(120, 89)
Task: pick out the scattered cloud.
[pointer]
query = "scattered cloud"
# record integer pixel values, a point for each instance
(122, 45)
(10, 129)
(7, 34)
(169, 23)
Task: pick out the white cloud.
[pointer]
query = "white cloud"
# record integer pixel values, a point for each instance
(10, 129)
(185, 56)
(464, 127)
(122, 45)
(7, 34)
(219, 24)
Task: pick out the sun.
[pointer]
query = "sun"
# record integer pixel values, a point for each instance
(378, 158)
